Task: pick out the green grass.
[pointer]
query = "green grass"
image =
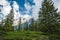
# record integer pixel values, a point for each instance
(29, 35)
(26, 35)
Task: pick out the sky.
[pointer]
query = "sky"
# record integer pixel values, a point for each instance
(30, 7)
(24, 8)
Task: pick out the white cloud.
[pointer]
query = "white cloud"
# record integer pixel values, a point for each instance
(17, 14)
(25, 18)
(6, 7)
(15, 6)
(28, 7)
(36, 8)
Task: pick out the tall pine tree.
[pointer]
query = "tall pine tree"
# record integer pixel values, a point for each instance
(26, 26)
(9, 21)
(2, 31)
(48, 17)
(19, 25)
(32, 28)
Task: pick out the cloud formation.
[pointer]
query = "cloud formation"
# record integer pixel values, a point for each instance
(36, 8)
(17, 14)
(27, 7)
(6, 7)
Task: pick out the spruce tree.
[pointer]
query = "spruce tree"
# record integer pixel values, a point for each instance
(26, 26)
(36, 26)
(48, 17)
(2, 31)
(32, 25)
(19, 25)
(9, 21)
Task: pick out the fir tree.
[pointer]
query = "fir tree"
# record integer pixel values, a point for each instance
(32, 25)
(26, 26)
(48, 17)
(9, 21)
(2, 31)
(19, 25)
(36, 26)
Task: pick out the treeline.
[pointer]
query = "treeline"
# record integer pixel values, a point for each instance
(8, 25)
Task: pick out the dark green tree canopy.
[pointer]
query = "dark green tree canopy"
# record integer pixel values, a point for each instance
(48, 16)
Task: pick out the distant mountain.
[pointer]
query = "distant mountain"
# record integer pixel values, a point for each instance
(24, 24)
(24, 19)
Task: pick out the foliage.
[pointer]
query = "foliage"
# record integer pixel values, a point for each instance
(9, 21)
(19, 25)
(26, 26)
(48, 17)
(32, 27)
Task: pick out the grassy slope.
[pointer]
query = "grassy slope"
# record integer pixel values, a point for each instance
(27, 35)
(24, 35)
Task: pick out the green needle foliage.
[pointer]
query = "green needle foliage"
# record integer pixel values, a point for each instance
(48, 17)
(9, 21)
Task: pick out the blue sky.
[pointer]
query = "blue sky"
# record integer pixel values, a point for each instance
(23, 7)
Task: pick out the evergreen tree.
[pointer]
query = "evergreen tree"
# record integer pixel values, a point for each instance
(36, 26)
(1, 16)
(32, 25)
(48, 17)
(19, 25)
(2, 32)
(26, 26)
(9, 21)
